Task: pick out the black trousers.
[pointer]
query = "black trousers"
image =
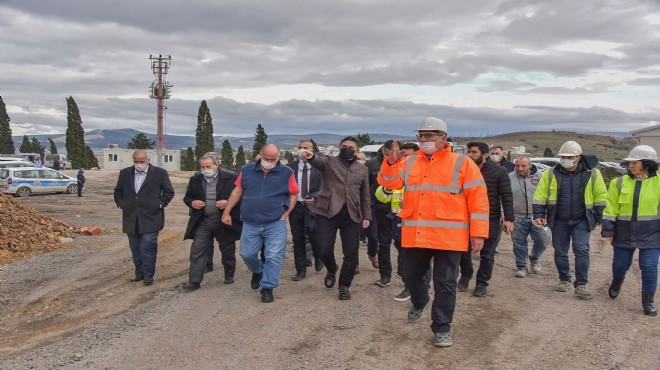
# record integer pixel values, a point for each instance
(299, 232)
(445, 273)
(349, 232)
(384, 229)
(372, 236)
(208, 230)
(487, 254)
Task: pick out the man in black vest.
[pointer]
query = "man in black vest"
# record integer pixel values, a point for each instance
(302, 220)
(207, 195)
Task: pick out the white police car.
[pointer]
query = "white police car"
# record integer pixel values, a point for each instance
(24, 181)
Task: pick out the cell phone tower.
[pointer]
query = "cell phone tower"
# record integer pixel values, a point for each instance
(160, 90)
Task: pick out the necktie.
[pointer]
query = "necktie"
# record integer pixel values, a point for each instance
(304, 182)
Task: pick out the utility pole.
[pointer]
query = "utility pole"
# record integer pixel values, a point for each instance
(160, 90)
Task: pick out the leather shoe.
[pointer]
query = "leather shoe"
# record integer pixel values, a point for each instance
(148, 281)
(330, 279)
(308, 263)
(299, 276)
(189, 287)
(344, 294)
(267, 295)
(229, 280)
(256, 280)
(209, 268)
(318, 265)
(135, 279)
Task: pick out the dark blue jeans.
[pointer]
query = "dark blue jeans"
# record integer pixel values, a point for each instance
(648, 264)
(144, 248)
(577, 231)
(524, 227)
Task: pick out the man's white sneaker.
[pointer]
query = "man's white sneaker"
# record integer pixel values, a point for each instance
(521, 273)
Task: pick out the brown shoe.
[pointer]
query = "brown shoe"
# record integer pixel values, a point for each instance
(374, 261)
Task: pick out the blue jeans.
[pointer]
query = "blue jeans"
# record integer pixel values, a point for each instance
(563, 231)
(144, 248)
(523, 227)
(648, 264)
(273, 236)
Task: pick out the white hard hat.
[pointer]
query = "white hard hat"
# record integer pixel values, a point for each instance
(432, 124)
(642, 152)
(570, 149)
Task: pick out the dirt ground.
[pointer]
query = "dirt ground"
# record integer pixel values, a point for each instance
(75, 308)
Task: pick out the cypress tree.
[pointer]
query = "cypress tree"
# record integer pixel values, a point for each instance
(26, 145)
(315, 147)
(6, 141)
(36, 147)
(53, 147)
(260, 139)
(204, 131)
(227, 156)
(80, 155)
(240, 158)
(188, 160)
(140, 141)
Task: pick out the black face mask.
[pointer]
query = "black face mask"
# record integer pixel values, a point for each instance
(346, 153)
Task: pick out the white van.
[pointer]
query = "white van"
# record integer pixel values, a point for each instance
(64, 162)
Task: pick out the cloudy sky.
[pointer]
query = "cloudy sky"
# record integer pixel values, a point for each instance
(484, 66)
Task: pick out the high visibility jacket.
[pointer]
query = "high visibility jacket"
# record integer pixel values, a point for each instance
(593, 189)
(393, 197)
(632, 214)
(446, 199)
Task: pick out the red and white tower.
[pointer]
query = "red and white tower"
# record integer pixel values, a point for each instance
(160, 90)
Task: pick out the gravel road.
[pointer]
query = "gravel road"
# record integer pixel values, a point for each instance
(75, 308)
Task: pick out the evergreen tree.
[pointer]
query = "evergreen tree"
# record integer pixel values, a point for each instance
(289, 156)
(260, 139)
(204, 131)
(315, 147)
(26, 145)
(53, 147)
(240, 158)
(80, 155)
(6, 141)
(141, 141)
(363, 139)
(188, 160)
(227, 156)
(508, 156)
(548, 152)
(36, 147)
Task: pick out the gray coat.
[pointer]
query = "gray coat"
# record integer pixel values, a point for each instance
(523, 192)
(342, 185)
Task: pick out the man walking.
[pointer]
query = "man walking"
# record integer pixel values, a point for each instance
(570, 198)
(524, 181)
(142, 192)
(499, 199)
(343, 204)
(446, 205)
(206, 196)
(497, 157)
(268, 190)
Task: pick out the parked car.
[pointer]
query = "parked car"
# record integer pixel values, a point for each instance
(19, 163)
(4, 158)
(548, 161)
(613, 165)
(24, 181)
(50, 159)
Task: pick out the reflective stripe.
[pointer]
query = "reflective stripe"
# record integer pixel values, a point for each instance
(457, 171)
(609, 218)
(437, 224)
(589, 206)
(388, 178)
(639, 218)
(550, 175)
(446, 189)
(409, 163)
(600, 204)
(472, 184)
(541, 202)
(552, 202)
(478, 216)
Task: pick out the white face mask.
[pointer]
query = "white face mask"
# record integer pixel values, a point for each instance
(567, 163)
(208, 172)
(428, 147)
(495, 158)
(140, 167)
(268, 165)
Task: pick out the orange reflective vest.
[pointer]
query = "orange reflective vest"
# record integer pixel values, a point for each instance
(446, 199)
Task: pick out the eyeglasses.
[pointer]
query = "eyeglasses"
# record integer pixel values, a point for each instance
(428, 135)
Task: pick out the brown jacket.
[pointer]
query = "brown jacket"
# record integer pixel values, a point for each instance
(342, 185)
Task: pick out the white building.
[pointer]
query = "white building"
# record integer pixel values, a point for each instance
(648, 136)
(518, 149)
(329, 150)
(115, 159)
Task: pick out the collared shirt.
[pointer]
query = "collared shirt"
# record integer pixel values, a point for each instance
(211, 179)
(301, 166)
(139, 179)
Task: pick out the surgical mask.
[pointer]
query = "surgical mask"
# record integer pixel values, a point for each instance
(268, 165)
(567, 163)
(140, 167)
(495, 158)
(208, 172)
(346, 153)
(428, 147)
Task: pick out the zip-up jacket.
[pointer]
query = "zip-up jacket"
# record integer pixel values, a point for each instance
(392, 198)
(446, 199)
(499, 191)
(592, 189)
(632, 214)
(523, 192)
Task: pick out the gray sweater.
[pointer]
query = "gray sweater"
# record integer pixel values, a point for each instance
(523, 192)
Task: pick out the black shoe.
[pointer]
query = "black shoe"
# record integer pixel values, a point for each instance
(256, 280)
(318, 265)
(648, 304)
(229, 280)
(308, 263)
(189, 287)
(135, 279)
(463, 284)
(344, 294)
(209, 268)
(330, 279)
(614, 289)
(299, 276)
(148, 281)
(267, 295)
(480, 290)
